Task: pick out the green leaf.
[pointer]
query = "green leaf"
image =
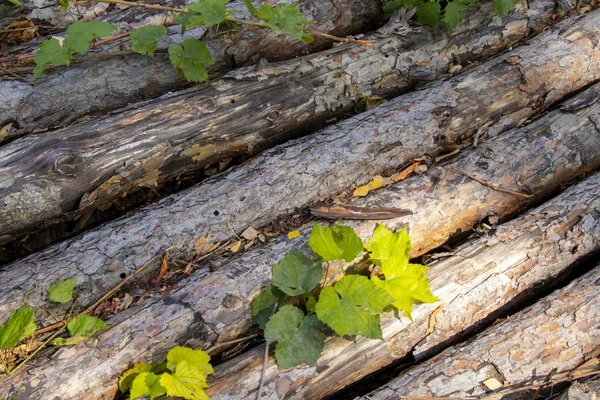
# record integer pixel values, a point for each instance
(384, 244)
(285, 18)
(335, 243)
(503, 7)
(31, 328)
(429, 13)
(146, 38)
(188, 20)
(50, 52)
(197, 358)
(351, 307)
(311, 302)
(70, 341)
(299, 338)
(15, 328)
(453, 13)
(264, 304)
(84, 324)
(190, 59)
(406, 283)
(128, 376)
(15, 2)
(64, 4)
(297, 274)
(61, 292)
(187, 382)
(146, 384)
(250, 7)
(81, 34)
(211, 12)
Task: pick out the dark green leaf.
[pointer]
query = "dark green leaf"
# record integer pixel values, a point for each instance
(61, 292)
(297, 274)
(211, 12)
(299, 338)
(453, 13)
(84, 324)
(50, 52)
(429, 13)
(81, 34)
(285, 18)
(146, 38)
(14, 329)
(190, 59)
(503, 7)
(264, 304)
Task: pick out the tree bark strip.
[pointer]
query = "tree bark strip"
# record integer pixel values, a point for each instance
(484, 275)
(89, 166)
(214, 304)
(557, 334)
(100, 84)
(295, 175)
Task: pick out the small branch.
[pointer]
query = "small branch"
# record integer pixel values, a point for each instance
(499, 189)
(110, 39)
(262, 372)
(19, 77)
(239, 340)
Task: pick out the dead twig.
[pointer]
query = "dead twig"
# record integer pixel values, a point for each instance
(262, 372)
(491, 186)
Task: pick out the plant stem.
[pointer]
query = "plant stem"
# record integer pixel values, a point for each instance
(29, 357)
(218, 345)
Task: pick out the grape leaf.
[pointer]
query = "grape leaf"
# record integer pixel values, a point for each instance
(297, 274)
(406, 283)
(350, 307)
(190, 59)
(84, 324)
(250, 7)
(453, 13)
(385, 244)
(299, 338)
(29, 330)
(196, 358)
(61, 292)
(146, 384)
(50, 52)
(429, 13)
(145, 39)
(212, 12)
(128, 376)
(188, 20)
(503, 7)
(81, 34)
(285, 18)
(187, 382)
(17, 325)
(335, 243)
(264, 304)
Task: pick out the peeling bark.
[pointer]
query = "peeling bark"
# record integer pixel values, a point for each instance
(296, 174)
(214, 304)
(553, 336)
(99, 84)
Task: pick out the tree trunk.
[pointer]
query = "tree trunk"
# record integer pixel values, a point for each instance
(483, 276)
(100, 161)
(537, 345)
(213, 305)
(97, 83)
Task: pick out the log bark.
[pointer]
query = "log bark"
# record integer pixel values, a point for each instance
(484, 275)
(296, 174)
(539, 344)
(101, 161)
(214, 304)
(105, 81)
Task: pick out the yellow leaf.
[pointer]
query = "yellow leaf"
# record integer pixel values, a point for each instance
(293, 234)
(236, 247)
(362, 191)
(492, 383)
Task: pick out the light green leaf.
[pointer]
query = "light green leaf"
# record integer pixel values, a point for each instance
(64, 4)
(187, 382)
(285, 18)
(81, 34)
(61, 292)
(384, 244)
(453, 13)
(190, 59)
(70, 341)
(297, 274)
(299, 338)
(211, 12)
(311, 302)
(31, 328)
(406, 283)
(17, 325)
(146, 38)
(196, 358)
(503, 7)
(84, 324)
(429, 13)
(146, 384)
(128, 376)
(335, 243)
(50, 52)
(351, 307)
(264, 304)
(15, 2)
(250, 7)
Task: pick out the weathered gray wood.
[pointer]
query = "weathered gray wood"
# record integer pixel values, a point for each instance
(540, 343)
(101, 84)
(303, 171)
(102, 160)
(214, 304)
(484, 275)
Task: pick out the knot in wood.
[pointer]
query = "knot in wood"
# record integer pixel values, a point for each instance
(69, 164)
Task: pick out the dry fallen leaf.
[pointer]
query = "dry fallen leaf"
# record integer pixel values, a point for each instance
(23, 31)
(236, 247)
(203, 246)
(250, 233)
(492, 383)
(293, 234)
(362, 191)
(4, 131)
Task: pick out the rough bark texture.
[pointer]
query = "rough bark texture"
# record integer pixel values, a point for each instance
(101, 84)
(100, 161)
(214, 306)
(483, 276)
(555, 335)
(300, 172)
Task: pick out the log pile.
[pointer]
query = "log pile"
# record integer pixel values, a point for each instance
(497, 147)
